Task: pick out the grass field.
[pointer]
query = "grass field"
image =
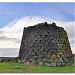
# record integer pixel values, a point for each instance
(13, 67)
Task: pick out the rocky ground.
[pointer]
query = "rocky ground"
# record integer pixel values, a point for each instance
(15, 59)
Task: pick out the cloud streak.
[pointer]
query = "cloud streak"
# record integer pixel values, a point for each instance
(11, 34)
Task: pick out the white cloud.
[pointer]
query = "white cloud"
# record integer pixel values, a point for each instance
(11, 34)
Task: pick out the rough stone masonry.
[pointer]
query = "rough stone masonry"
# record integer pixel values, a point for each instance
(45, 44)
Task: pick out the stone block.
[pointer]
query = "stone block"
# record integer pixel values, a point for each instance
(47, 64)
(53, 64)
(58, 64)
(41, 63)
(60, 60)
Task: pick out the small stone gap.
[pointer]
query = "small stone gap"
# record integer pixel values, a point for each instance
(39, 41)
(46, 36)
(45, 40)
(40, 46)
(36, 35)
(52, 52)
(36, 40)
(48, 31)
(40, 35)
(33, 50)
(44, 50)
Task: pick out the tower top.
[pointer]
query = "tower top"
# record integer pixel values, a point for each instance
(53, 23)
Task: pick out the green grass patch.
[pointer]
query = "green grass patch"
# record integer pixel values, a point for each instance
(13, 67)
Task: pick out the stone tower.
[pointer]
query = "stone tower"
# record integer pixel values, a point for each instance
(45, 44)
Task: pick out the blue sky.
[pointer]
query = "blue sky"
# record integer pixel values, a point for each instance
(55, 11)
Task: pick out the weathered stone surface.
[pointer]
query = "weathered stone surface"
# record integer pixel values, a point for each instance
(60, 60)
(47, 64)
(59, 64)
(53, 64)
(8, 59)
(41, 63)
(45, 44)
(74, 59)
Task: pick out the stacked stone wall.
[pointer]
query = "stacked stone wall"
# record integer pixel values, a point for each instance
(45, 44)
